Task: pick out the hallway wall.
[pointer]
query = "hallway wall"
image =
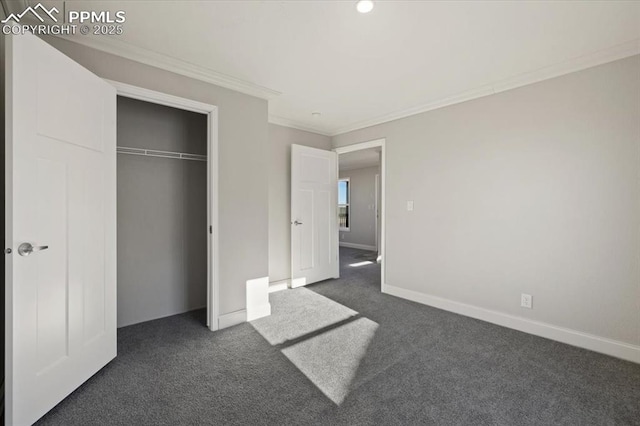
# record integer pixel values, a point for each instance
(362, 213)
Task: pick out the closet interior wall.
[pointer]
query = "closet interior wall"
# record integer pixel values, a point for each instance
(162, 212)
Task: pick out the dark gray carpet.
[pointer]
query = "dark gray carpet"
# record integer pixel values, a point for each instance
(395, 362)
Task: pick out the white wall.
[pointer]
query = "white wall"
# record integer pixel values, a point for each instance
(362, 213)
(532, 190)
(280, 141)
(243, 163)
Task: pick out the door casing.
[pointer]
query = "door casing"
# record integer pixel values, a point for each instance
(211, 111)
(382, 243)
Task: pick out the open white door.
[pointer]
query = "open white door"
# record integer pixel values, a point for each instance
(60, 227)
(314, 215)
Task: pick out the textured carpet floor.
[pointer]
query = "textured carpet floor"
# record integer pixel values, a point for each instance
(340, 352)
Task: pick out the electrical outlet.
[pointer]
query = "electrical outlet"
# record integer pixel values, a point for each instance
(526, 301)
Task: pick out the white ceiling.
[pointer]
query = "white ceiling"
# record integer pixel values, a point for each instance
(359, 159)
(357, 70)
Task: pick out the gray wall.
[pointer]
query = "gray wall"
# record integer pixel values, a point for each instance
(362, 227)
(531, 190)
(280, 141)
(243, 163)
(162, 213)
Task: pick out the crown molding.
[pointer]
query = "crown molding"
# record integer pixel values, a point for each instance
(175, 65)
(285, 122)
(168, 63)
(600, 57)
(441, 103)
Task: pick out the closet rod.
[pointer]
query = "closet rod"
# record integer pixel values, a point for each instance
(161, 154)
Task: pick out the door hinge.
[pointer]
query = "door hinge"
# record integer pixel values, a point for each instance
(210, 229)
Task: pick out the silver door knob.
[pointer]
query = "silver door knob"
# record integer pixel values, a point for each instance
(25, 249)
(296, 223)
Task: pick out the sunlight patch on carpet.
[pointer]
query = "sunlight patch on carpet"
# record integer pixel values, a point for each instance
(358, 264)
(299, 312)
(324, 339)
(330, 360)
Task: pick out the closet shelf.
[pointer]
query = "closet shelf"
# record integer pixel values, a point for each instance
(161, 154)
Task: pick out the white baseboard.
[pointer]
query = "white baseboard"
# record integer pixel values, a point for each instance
(603, 345)
(359, 246)
(279, 285)
(238, 317)
(232, 318)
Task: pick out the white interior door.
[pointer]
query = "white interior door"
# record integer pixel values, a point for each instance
(314, 215)
(61, 200)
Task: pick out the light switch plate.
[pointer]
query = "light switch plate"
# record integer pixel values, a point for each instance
(409, 206)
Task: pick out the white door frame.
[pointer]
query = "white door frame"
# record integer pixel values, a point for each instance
(376, 206)
(211, 111)
(359, 147)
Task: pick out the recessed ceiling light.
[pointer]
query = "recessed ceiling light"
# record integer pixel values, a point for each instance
(364, 6)
(316, 114)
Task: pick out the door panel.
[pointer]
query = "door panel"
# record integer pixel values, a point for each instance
(51, 289)
(72, 97)
(315, 168)
(61, 312)
(314, 216)
(307, 246)
(326, 209)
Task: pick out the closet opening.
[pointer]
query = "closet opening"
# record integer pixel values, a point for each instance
(165, 212)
